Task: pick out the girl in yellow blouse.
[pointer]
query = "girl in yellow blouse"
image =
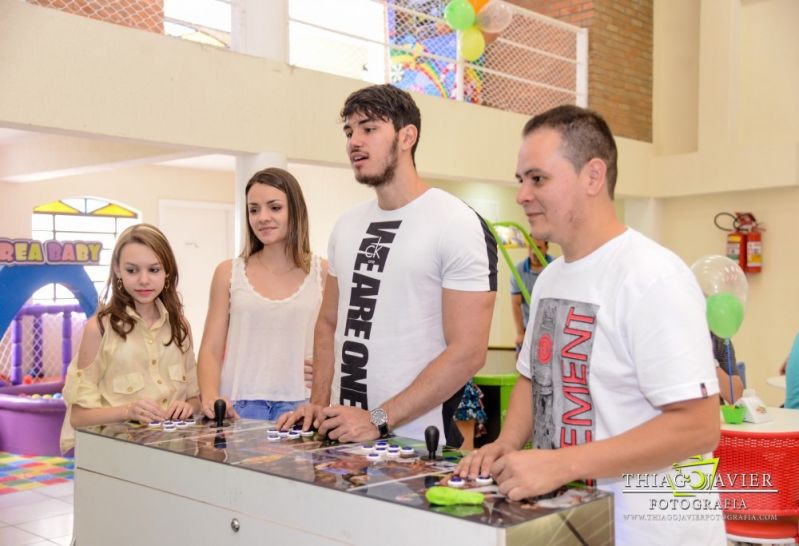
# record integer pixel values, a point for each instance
(136, 360)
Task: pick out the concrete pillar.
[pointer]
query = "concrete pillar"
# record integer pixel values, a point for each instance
(262, 29)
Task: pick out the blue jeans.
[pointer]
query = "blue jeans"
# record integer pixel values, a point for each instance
(265, 410)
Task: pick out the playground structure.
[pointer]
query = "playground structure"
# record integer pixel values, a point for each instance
(36, 319)
(36, 348)
(512, 235)
(33, 361)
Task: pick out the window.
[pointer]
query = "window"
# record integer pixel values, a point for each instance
(80, 219)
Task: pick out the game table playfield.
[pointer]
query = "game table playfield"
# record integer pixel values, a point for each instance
(199, 484)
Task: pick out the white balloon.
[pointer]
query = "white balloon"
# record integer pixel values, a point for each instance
(494, 17)
(718, 274)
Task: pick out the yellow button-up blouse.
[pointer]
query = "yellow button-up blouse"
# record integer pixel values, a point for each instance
(127, 370)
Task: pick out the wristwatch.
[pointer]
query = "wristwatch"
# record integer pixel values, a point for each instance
(379, 418)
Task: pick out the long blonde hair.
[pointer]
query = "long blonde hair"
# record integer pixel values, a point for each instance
(115, 298)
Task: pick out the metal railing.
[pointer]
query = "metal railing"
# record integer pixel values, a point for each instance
(534, 64)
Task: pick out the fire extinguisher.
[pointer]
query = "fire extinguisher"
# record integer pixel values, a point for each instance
(744, 240)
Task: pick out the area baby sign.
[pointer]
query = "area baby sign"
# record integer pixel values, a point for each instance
(32, 252)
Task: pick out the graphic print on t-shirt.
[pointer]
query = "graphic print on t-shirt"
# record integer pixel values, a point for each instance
(560, 360)
(370, 261)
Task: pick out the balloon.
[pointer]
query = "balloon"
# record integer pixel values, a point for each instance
(725, 313)
(478, 4)
(718, 274)
(459, 14)
(495, 17)
(490, 38)
(472, 44)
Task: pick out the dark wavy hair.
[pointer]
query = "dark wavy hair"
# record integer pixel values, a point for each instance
(115, 299)
(298, 243)
(387, 103)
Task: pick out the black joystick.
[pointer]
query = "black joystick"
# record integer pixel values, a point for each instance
(431, 439)
(220, 408)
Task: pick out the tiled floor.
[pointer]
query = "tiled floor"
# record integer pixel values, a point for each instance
(37, 517)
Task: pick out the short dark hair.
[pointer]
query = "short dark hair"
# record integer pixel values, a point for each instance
(388, 103)
(584, 134)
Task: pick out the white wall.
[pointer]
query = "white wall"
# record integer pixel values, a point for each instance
(742, 155)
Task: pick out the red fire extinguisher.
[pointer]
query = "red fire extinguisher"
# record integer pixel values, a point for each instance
(744, 240)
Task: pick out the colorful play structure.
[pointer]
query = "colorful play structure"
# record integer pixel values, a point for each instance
(511, 235)
(31, 411)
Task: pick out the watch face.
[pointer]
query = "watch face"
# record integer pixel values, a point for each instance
(378, 417)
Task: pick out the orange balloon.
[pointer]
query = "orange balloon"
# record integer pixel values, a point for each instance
(478, 4)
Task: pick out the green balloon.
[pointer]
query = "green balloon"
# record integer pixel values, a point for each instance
(459, 14)
(725, 313)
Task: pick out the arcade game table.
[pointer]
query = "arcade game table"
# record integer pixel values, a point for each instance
(243, 483)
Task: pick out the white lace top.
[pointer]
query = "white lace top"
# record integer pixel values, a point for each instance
(268, 340)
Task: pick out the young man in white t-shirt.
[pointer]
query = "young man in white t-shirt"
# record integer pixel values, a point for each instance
(616, 363)
(410, 292)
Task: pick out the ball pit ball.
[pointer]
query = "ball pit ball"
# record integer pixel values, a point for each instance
(36, 396)
(58, 396)
(47, 396)
(27, 380)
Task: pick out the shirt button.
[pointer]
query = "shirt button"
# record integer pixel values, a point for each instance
(184, 378)
(79, 374)
(150, 341)
(163, 401)
(153, 362)
(159, 381)
(130, 389)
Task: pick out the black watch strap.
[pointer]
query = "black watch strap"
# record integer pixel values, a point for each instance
(379, 419)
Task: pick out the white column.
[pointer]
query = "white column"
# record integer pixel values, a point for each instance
(246, 166)
(259, 28)
(719, 43)
(581, 68)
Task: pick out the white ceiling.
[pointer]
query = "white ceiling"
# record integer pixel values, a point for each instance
(211, 162)
(8, 135)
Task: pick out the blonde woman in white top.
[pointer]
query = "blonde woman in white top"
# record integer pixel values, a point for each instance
(258, 338)
(135, 360)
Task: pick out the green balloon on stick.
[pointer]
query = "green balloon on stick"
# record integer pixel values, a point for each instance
(725, 313)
